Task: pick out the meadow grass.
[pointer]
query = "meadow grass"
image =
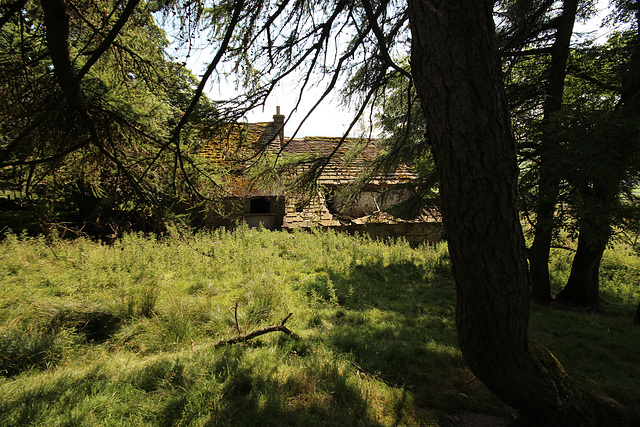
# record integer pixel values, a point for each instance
(124, 334)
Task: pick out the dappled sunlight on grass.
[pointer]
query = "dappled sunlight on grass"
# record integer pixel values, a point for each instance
(127, 332)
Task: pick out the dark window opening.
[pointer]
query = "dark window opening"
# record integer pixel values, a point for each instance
(260, 205)
(330, 200)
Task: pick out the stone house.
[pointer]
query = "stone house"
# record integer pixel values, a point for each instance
(269, 203)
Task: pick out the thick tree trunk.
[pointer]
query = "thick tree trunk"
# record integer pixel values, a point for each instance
(549, 182)
(457, 75)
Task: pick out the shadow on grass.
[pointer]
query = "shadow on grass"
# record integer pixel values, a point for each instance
(397, 323)
(243, 386)
(381, 350)
(239, 386)
(325, 396)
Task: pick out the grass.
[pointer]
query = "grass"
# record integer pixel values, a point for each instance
(124, 334)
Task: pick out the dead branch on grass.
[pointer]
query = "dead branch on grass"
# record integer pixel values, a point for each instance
(257, 333)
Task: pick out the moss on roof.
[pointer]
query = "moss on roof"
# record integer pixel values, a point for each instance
(348, 155)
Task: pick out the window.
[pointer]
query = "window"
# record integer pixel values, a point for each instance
(259, 205)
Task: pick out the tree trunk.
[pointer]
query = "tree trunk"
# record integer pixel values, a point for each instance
(457, 75)
(549, 182)
(541, 246)
(56, 18)
(582, 288)
(636, 318)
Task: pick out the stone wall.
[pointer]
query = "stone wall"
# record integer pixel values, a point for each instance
(312, 214)
(317, 214)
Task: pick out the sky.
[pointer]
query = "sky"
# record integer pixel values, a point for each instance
(330, 118)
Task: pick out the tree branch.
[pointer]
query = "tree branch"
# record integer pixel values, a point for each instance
(257, 333)
(212, 66)
(381, 39)
(527, 52)
(109, 39)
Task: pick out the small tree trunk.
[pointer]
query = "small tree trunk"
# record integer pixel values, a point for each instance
(549, 183)
(582, 288)
(540, 249)
(636, 318)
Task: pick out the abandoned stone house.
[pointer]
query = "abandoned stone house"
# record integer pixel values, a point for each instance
(271, 204)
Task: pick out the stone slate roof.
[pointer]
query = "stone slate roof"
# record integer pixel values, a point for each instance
(347, 161)
(230, 141)
(343, 167)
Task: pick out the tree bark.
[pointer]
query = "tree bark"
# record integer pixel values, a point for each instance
(456, 67)
(549, 181)
(582, 288)
(56, 18)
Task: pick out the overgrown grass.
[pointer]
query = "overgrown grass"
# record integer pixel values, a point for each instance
(124, 334)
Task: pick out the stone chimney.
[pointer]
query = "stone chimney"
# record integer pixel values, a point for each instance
(278, 124)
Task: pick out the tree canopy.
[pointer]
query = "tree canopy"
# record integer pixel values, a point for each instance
(92, 99)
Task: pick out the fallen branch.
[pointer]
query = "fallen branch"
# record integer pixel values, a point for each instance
(257, 333)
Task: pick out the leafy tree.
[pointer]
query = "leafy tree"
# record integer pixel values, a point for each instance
(565, 154)
(593, 148)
